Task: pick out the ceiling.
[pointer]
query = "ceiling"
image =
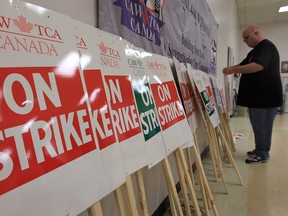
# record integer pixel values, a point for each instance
(261, 11)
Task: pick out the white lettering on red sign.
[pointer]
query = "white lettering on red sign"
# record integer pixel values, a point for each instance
(41, 88)
(169, 107)
(43, 127)
(124, 112)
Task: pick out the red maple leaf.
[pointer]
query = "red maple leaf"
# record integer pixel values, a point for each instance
(22, 24)
(102, 47)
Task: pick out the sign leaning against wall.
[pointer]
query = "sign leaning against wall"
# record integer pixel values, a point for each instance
(184, 29)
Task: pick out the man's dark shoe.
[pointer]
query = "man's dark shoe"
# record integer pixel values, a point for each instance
(256, 159)
(251, 153)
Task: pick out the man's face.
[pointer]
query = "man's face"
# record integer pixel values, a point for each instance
(249, 37)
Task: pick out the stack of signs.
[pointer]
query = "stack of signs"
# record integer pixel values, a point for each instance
(192, 72)
(120, 95)
(206, 94)
(101, 113)
(49, 161)
(209, 89)
(217, 94)
(146, 106)
(219, 85)
(173, 122)
(186, 93)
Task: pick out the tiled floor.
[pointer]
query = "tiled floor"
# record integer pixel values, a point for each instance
(265, 190)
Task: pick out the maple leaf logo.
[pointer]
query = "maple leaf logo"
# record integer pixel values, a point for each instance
(23, 25)
(103, 48)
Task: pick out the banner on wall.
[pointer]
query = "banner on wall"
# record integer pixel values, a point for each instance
(47, 150)
(186, 29)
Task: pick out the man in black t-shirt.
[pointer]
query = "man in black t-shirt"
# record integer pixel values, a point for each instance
(260, 89)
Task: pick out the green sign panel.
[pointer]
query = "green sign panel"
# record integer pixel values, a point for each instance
(147, 112)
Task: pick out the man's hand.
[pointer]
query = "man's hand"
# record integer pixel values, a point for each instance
(228, 70)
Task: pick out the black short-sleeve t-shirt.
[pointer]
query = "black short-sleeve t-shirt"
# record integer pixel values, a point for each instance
(262, 89)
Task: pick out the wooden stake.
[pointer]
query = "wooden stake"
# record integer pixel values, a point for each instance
(226, 120)
(181, 157)
(142, 194)
(172, 205)
(171, 186)
(190, 168)
(95, 210)
(119, 202)
(183, 186)
(131, 196)
(201, 175)
(205, 182)
(215, 150)
(230, 156)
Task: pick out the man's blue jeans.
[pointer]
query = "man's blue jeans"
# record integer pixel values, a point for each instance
(262, 123)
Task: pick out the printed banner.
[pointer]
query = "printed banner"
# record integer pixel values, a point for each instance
(186, 29)
(46, 136)
(146, 106)
(101, 115)
(169, 107)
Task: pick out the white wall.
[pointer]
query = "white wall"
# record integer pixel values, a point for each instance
(225, 13)
(81, 10)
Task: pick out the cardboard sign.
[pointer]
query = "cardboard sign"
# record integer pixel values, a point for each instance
(192, 72)
(146, 106)
(101, 114)
(209, 88)
(205, 97)
(217, 94)
(126, 120)
(169, 107)
(46, 136)
(186, 93)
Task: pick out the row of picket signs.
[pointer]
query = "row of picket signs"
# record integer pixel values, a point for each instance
(78, 118)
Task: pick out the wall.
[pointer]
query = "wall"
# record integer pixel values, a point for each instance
(81, 10)
(225, 13)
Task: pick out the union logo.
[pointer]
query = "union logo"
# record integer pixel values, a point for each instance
(143, 17)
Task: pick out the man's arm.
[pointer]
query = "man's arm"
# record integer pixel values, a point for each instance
(243, 69)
